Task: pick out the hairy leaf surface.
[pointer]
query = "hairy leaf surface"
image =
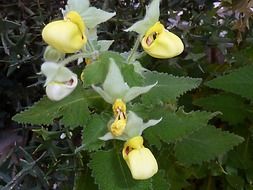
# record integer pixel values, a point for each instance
(111, 172)
(73, 111)
(205, 144)
(238, 82)
(169, 87)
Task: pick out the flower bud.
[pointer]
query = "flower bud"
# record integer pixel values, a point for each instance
(52, 55)
(139, 159)
(160, 43)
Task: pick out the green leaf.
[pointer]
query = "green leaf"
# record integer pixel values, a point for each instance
(159, 182)
(177, 177)
(176, 173)
(177, 125)
(233, 108)
(95, 128)
(83, 180)
(236, 182)
(205, 144)
(111, 172)
(239, 82)
(73, 110)
(169, 87)
(130, 76)
(96, 72)
(195, 56)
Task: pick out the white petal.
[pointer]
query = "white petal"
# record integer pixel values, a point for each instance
(49, 69)
(134, 125)
(93, 16)
(79, 6)
(150, 123)
(105, 44)
(107, 137)
(63, 74)
(55, 72)
(114, 83)
(151, 17)
(136, 91)
(153, 11)
(104, 94)
(57, 91)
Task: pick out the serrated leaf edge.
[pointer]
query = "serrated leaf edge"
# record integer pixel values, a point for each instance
(214, 157)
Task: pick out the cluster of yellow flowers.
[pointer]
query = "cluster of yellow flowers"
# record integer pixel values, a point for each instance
(69, 36)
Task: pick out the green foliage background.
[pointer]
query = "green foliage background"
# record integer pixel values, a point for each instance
(204, 96)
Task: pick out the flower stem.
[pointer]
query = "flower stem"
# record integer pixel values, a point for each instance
(73, 58)
(90, 45)
(131, 56)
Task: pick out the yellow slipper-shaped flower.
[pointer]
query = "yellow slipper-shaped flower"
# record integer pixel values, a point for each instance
(66, 35)
(139, 159)
(160, 43)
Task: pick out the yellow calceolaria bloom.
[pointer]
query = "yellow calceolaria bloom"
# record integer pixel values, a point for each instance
(118, 126)
(160, 43)
(139, 159)
(66, 35)
(119, 106)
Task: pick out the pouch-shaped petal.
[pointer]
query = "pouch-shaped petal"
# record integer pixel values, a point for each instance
(58, 90)
(139, 159)
(65, 35)
(142, 163)
(160, 43)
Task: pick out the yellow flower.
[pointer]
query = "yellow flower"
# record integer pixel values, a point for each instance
(118, 127)
(66, 35)
(119, 106)
(160, 43)
(139, 159)
(88, 61)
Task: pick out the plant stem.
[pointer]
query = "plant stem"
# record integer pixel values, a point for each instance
(209, 182)
(74, 57)
(79, 156)
(131, 57)
(92, 49)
